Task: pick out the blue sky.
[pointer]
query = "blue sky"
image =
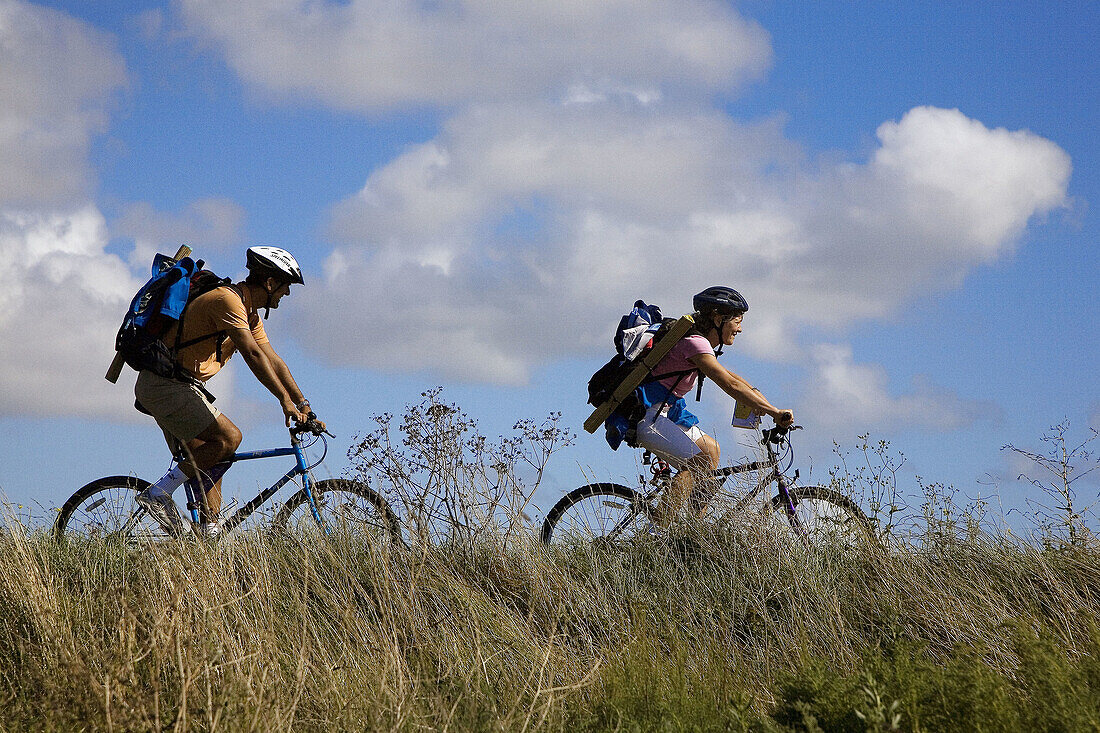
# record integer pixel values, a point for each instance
(903, 191)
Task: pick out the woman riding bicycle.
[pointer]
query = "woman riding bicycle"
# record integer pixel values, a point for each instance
(668, 429)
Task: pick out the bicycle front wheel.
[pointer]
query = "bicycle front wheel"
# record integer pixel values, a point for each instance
(345, 507)
(823, 518)
(597, 512)
(105, 509)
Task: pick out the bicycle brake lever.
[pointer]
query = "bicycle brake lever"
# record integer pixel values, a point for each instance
(314, 427)
(776, 435)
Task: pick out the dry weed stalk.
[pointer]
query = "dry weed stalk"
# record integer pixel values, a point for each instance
(449, 482)
(1061, 466)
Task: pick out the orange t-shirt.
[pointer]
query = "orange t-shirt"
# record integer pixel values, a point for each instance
(221, 309)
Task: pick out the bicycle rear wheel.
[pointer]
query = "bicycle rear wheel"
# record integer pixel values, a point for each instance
(597, 512)
(824, 518)
(105, 509)
(346, 507)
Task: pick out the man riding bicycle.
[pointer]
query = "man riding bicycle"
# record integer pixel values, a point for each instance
(668, 429)
(218, 323)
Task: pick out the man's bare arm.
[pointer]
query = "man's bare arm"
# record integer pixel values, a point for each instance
(282, 371)
(258, 361)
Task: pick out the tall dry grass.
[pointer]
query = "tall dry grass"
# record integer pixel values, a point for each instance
(951, 628)
(268, 633)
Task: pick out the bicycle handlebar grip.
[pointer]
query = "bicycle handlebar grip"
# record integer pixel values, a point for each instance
(776, 434)
(310, 426)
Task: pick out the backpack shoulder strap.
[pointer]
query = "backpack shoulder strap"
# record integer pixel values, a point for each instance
(219, 335)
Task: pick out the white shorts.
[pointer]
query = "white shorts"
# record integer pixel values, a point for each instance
(671, 442)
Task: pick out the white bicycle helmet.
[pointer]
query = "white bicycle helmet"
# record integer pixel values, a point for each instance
(276, 262)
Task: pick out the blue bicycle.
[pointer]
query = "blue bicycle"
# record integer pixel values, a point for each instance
(106, 508)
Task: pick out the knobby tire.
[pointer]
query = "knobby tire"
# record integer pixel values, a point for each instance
(345, 505)
(620, 508)
(105, 508)
(823, 515)
(826, 515)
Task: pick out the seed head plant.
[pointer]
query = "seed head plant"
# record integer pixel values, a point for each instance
(450, 482)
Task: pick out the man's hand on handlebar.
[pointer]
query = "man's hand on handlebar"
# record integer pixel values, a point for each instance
(310, 424)
(292, 414)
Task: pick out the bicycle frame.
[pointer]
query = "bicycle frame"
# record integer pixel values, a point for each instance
(776, 475)
(301, 468)
(721, 474)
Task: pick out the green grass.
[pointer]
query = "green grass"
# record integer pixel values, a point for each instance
(746, 633)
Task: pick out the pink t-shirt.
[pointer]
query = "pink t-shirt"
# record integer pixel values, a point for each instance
(678, 360)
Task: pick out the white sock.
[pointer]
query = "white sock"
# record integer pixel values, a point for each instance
(169, 482)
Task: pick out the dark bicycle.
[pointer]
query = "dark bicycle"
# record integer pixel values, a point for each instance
(106, 507)
(606, 511)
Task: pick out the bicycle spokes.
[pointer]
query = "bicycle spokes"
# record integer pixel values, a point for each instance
(822, 521)
(606, 512)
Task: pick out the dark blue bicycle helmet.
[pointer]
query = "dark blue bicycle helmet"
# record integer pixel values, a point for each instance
(722, 300)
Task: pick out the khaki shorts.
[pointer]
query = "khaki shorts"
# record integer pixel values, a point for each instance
(181, 410)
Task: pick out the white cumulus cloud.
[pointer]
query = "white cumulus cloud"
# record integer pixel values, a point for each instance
(61, 300)
(505, 236)
(849, 395)
(583, 163)
(965, 183)
(378, 55)
(61, 294)
(57, 75)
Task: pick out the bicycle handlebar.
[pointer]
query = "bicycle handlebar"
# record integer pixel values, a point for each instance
(776, 435)
(310, 426)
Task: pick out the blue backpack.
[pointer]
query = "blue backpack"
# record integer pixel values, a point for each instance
(157, 306)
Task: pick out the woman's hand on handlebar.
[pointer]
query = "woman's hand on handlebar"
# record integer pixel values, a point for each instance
(778, 433)
(784, 418)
